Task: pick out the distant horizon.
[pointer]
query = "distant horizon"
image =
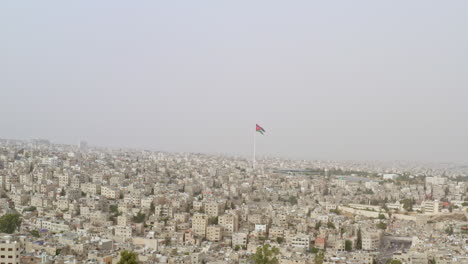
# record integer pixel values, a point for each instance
(246, 156)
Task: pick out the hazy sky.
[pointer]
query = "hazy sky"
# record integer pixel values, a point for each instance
(327, 79)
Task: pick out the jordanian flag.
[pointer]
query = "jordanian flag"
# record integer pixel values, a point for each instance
(259, 129)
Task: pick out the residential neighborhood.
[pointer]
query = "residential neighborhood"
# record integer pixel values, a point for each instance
(83, 204)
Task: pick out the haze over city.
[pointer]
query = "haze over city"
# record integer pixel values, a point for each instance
(361, 80)
(234, 132)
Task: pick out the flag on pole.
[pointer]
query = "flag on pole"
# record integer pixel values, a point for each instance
(259, 129)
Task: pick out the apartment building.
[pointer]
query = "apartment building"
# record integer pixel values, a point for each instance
(199, 224)
(214, 233)
(9, 252)
(229, 222)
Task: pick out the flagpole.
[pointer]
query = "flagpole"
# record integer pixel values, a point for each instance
(253, 164)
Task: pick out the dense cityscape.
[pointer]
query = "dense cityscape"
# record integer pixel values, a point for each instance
(82, 204)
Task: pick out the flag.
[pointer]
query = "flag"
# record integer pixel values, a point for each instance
(259, 129)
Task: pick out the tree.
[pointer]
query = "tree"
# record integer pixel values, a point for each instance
(34, 233)
(139, 218)
(167, 241)
(152, 208)
(128, 257)
(359, 239)
(449, 230)
(62, 193)
(342, 230)
(382, 225)
(381, 216)
(330, 225)
(326, 191)
(314, 250)
(318, 224)
(393, 261)
(30, 209)
(407, 204)
(348, 245)
(292, 200)
(266, 255)
(279, 240)
(213, 220)
(114, 209)
(9, 223)
(319, 257)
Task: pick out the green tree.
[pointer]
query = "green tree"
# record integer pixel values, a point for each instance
(62, 193)
(114, 209)
(381, 216)
(167, 241)
(359, 239)
(128, 257)
(393, 261)
(342, 230)
(326, 191)
(407, 204)
(30, 209)
(382, 225)
(279, 240)
(9, 223)
(266, 255)
(139, 218)
(317, 225)
(34, 233)
(314, 250)
(292, 200)
(213, 220)
(152, 208)
(330, 225)
(449, 230)
(348, 245)
(319, 257)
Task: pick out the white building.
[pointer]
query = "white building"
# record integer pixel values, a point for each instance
(436, 180)
(229, 222)
(260, 228)
(371, 240)
(239, 239)
(9, 252)
(300, 241)
(431, 207)
(390, 176)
